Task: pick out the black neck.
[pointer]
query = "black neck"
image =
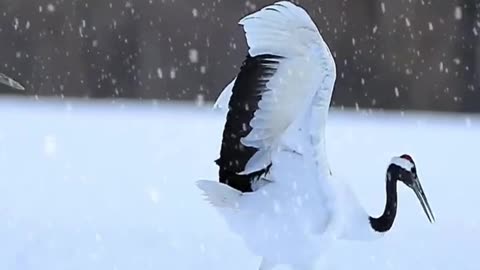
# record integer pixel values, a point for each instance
(385, 221)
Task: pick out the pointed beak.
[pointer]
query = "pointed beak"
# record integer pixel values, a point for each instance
(417, 188)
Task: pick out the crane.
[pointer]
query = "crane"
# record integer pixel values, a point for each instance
(275, 187)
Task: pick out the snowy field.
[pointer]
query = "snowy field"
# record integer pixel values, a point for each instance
(110, 186)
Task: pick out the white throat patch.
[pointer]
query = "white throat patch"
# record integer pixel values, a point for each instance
(403, 163)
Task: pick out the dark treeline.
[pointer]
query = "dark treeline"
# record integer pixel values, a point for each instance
(394, 54)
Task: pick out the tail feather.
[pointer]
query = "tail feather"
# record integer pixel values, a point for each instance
(218, 194)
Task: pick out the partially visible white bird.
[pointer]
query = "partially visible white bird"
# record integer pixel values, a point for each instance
(4, 79)
(275, 187)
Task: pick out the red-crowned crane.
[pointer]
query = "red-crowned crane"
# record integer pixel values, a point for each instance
(275, 187)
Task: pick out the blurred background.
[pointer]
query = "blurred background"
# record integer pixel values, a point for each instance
(100, 154)
(391, 54)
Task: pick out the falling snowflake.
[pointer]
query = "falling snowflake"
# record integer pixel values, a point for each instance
(200, 100)
(50, 145)
(195, 12)
(193, 55)
(458, 13)
(407, 22)
(159, 73)
(154, 195)
(50, 8)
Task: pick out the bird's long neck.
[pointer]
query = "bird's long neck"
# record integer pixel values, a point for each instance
(385, 221)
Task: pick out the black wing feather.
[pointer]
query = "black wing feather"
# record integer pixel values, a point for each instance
(246, 94)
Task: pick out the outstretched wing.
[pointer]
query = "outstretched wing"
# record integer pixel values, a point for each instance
(287, 63)
(4, 79)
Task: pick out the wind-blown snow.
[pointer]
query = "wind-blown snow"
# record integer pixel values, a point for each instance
(112, 186)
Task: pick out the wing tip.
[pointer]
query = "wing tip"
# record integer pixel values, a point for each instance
(272, 7)
(283, 28)
(4, 79)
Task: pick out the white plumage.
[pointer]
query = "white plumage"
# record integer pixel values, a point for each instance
(297, 208)
(294, 213)
(301, 88)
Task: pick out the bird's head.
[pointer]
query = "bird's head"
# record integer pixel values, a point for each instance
(403, 169)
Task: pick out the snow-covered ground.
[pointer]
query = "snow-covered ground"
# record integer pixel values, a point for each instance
(111, 186)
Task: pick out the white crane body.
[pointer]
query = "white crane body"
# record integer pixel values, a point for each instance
(275, 188)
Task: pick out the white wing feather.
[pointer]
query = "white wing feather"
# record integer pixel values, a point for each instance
(285, 30)
(4, 79)
(281, 29)
(222, 101)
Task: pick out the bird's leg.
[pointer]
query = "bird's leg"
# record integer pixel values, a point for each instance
(266, 265)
